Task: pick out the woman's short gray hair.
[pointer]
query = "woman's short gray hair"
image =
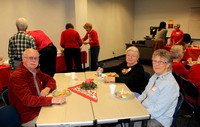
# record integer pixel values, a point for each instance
(165, 55)
(21, 23)
(176, 51)
(134, 49)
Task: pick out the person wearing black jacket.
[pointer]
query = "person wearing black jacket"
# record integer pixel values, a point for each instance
(130, 72)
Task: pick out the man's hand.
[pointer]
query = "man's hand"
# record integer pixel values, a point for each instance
(45, 91)
(58, 100)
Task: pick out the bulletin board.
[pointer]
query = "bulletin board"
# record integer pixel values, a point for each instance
(194, 23)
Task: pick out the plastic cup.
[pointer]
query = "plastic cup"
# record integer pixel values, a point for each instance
(112, 89)
(73, 74)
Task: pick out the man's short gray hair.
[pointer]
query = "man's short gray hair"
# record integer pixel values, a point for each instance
(21, 23)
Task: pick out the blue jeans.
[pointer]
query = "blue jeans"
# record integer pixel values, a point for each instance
(94, 54)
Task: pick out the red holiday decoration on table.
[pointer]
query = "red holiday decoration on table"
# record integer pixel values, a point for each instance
(87, 89)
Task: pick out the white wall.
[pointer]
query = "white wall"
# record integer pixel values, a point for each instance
(113, 20)
(152, 12)
(47, 15)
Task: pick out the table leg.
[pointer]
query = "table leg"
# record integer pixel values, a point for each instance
(144, 123)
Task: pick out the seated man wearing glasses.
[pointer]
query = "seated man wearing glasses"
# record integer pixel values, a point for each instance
(28, 88)
(161, 94)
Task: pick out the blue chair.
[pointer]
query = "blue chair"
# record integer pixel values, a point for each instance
(178, 106)
(147, 76)
(9, 117)
(178, 80)
(191, 91)
(4, 96)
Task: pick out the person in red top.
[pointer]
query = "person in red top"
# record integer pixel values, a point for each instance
(194, 76)
(177, 35)
(28, 88)
(94, 45)
(47, 50)
(177, 53)
(71, 41)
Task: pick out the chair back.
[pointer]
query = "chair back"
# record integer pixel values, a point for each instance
(178, 78)
(187, 38)
(190, 90)
(4, 96)
(147, 76)
(9, 117)
(178, 106)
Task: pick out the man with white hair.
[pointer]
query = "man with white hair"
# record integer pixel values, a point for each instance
(18, 43)
(28, 89)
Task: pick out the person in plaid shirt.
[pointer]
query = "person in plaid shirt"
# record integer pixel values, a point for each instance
(18, 43)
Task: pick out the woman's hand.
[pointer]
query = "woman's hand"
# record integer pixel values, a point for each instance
(189, 60)
(85, 43)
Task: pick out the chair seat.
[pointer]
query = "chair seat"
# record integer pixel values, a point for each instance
(9, 117)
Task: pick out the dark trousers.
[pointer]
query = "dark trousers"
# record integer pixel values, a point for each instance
(48, 60)
(70, 55)
(94, 53)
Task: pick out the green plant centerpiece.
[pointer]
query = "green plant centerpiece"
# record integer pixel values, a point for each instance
(88, 84)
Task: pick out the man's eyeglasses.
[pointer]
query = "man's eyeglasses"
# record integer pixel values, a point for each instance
(159, 62)
(31, 58)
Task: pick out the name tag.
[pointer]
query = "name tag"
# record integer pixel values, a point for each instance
(154, 88)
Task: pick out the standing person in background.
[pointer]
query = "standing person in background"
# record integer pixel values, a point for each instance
(18, 43)
(160, 39)
(47, 50)
(177, 35)
(71, 41)
(94, 45)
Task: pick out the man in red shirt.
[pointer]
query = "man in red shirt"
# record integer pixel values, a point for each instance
(71, 41)
(28, 88)
(47, 50)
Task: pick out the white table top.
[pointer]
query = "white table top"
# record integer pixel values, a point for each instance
(110, 109)
(79, 111)
(76, 110)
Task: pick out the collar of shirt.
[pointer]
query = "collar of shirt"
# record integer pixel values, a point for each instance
(163, 75)
(33, 72)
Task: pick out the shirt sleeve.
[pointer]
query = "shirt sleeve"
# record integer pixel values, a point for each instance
(85, 37)
(11, 53)
(33, 43)
(182, 35)
(24, 93)
(80, 42)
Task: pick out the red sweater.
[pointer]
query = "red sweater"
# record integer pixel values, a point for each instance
(23, 94)
(41, 39)
(194, 76)
(180, 69)
(93, 38)
(70, 39)
(176, 36)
